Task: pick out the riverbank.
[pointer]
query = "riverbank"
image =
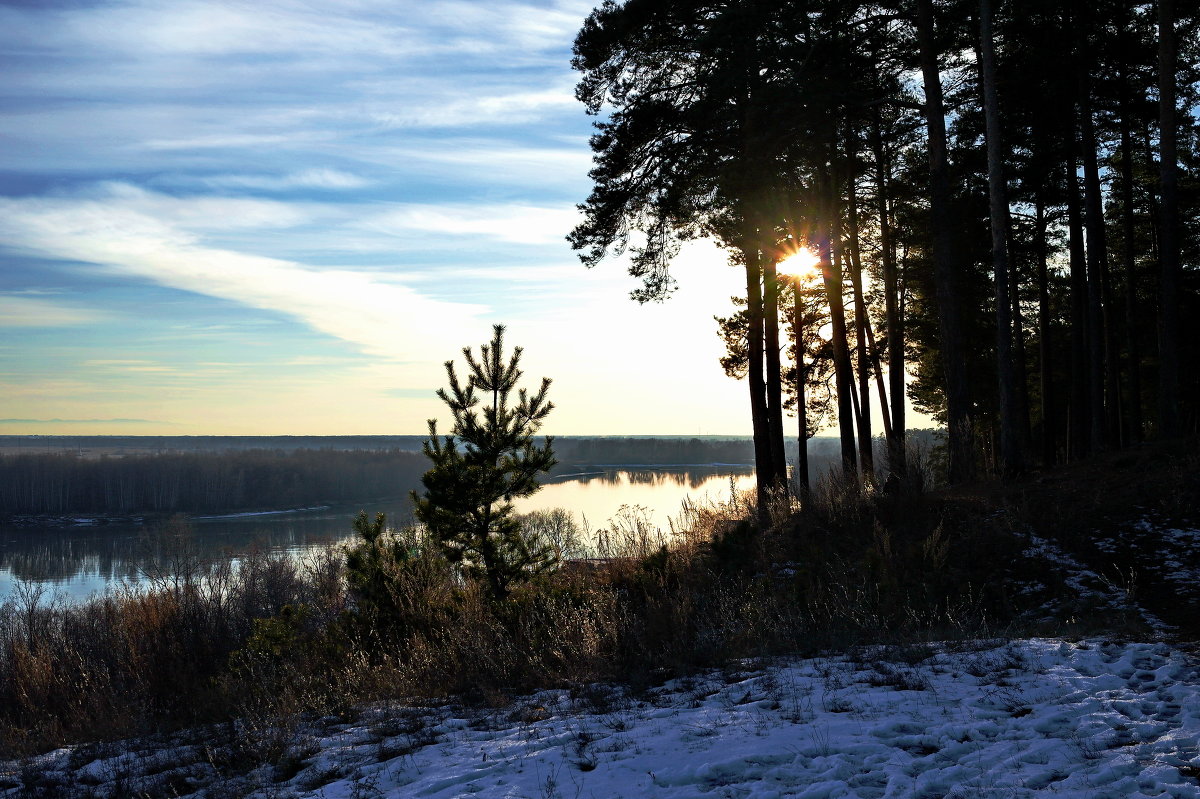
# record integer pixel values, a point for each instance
(278, 639)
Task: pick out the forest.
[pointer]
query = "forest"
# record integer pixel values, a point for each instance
(201, 482)
(232, 473)
(1001, 202)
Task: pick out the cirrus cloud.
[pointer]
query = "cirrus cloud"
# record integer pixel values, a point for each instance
(381, 317)
(18, 310)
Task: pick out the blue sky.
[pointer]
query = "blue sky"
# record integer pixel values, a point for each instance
(281, 217)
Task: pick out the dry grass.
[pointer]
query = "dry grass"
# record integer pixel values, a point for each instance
(274, 639)
(137, 660)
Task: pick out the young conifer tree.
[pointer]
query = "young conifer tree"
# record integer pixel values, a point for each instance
(488, 459)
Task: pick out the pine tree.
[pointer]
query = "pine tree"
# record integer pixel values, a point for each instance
(488, 459)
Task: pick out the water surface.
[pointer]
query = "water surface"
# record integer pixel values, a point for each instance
(79, 560)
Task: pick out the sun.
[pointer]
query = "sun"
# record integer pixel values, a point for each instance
(803, 263)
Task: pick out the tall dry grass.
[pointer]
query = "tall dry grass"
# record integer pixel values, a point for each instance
(271, 638)
(141, 659)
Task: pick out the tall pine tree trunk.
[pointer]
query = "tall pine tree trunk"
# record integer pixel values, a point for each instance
(752, 182)
(774, 383)
(1020, 362)
(1168, 317)
(1011, 457)
(802, 479)
(891, 295)
(855, 404)
(832, 276)
(1152, 203)
(764, 476)
(1080, 406)
(958, 400)
(1097, 264)
(1128, 256)
(861, 321)
(1114, 406)
(1049, 414)
(885, 413)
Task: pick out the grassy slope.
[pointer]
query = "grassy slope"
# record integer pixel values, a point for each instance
(1090, 509)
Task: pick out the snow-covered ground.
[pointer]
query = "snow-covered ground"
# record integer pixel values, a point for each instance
(1089, 719)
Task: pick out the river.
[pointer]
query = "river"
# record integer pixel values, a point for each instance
(79, 560)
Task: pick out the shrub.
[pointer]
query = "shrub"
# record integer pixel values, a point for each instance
(399, 582)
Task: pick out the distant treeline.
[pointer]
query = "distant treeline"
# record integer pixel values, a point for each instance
(94, 446)
(69, 479)
(569, 449)
(664, 451)
(622, 451)
(202, 482)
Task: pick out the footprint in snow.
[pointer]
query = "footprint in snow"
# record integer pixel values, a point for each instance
(1055, 724)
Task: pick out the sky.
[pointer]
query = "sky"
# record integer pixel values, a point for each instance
(283, 217)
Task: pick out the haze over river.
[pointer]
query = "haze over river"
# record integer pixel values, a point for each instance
(81, 559)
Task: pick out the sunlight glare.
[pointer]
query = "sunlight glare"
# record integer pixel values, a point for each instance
(803, 264)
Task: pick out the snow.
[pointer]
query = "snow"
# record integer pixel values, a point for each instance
(248, 514)
(1037, 717)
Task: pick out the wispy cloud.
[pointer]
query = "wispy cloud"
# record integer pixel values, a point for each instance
(381, 317)
(222, 141)
(308, 179)
(135, 366)
(21, 310)
(519, 224)
(494, 161)
(279, 82)
(196, 213)
(474, 108)
(292, 211)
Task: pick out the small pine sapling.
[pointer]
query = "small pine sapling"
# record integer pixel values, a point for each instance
(488, 459)
(371, 568)
(400, 584)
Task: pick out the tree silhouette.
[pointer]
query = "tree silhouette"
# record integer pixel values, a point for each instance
(1024, 221)
(488, 459)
